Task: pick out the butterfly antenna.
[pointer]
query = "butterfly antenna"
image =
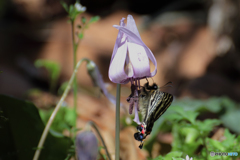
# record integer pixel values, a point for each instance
(169, 84)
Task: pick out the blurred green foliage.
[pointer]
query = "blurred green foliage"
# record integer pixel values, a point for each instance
(64, 120)
(53, 69)
(191, 122)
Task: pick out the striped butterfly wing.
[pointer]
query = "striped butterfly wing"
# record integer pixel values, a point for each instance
(158, 104)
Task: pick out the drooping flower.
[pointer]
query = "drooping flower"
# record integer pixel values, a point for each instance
(130, 60)
(86, 145)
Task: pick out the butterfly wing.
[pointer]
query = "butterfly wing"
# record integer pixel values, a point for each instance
(158, 104)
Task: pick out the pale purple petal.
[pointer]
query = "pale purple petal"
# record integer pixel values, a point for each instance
(139, 60)
(136, 118)
(118, 40)
(131, 25)
(137, 40)
(116, 71)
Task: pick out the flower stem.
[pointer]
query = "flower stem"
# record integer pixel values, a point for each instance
(75, 79)
(49, 123)
(117, 132)
(100, 136)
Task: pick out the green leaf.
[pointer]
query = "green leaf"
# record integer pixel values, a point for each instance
(191, 116)
(171, 116)
(174, 154)
(188, 115)
(80, 35)
(21, 133)
(83, 20)
(63, 120)
(56, 134)
(228, 103)
(65, 6)
(231, 120)
(71, 12)
(216, 144)
(230, 140)
(190, 133)
(159, 158)
(94, 19)
(207, 125)
(53, 68)
(62, 88)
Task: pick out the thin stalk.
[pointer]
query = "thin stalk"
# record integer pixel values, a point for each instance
(75, 78)
(49, 123)
(117, 132)
(100, 136)
(204, 143)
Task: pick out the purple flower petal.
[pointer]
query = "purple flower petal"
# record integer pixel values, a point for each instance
(116, 70)
(136, 118)
(130, 58)
(138, 40)
(118, 40)
(131, 25)
(139, 60)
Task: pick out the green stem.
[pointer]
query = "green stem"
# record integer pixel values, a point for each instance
(49, 123)
(75, 78)
(100, 136)
(117, 132)
(204, 143)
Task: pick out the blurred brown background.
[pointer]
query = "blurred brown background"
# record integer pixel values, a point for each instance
(196, 44)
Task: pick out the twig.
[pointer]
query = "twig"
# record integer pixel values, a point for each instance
(49, 123)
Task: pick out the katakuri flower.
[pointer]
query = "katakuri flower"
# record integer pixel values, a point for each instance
(130, 60)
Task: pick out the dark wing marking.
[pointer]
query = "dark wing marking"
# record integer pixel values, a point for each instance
(158, 104)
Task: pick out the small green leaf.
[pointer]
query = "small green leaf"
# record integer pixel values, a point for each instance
(231, 120)
(80, 35)
(207, 125)
(191, 116)
(216, 144)
(65, 6)
(83, 20)
(230, 140)
(173, 117)
(62, 88)
(94, 19)
(53, 69)
(175, 154)
(71, 11)
(159, 158)
(56, 134)
(190, 133)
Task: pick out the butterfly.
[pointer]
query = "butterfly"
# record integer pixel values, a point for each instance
(152, 103)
